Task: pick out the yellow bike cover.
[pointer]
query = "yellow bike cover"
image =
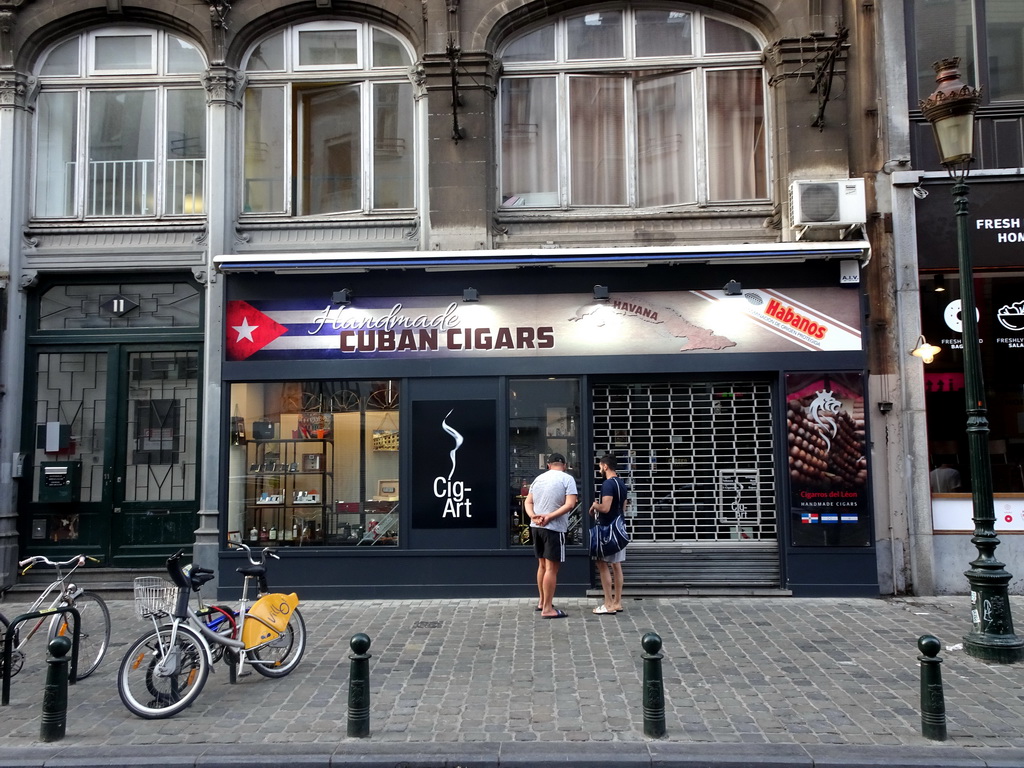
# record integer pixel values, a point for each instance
(268, 618)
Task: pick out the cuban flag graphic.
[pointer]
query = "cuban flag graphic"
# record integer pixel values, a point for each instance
(248, 330)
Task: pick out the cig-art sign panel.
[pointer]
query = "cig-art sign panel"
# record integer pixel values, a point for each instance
(642, 323)
(828, 466)
(454, 483)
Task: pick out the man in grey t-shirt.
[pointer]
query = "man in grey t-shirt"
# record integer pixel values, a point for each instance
(552, 496)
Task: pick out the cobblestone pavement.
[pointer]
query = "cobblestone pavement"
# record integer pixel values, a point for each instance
(779, 681)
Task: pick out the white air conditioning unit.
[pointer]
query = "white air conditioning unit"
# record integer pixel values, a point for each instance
(834, 203)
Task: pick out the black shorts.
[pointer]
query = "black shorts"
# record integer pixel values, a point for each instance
(548, 544)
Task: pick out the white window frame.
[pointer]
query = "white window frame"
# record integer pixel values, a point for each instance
(698, 62)
(295, 78)
(154, 79)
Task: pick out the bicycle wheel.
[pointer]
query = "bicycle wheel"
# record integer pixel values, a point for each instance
(158, 680)
(17, 657)
(94, 635)
(280, 656)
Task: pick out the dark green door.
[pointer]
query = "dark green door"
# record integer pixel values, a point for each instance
(154, 508)
(114, 459)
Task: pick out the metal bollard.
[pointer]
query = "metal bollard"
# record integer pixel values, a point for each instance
(933, 703)
(55, 691)
(359, 686)
(654, 689)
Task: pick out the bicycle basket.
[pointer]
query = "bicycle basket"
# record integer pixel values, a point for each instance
(154, 596)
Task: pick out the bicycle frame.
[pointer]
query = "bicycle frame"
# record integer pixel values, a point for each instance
(68, 591)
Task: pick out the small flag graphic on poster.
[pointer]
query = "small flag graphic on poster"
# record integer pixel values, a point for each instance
(848, 518)
(809, 517)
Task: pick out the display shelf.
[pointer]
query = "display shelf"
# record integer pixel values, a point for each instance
(289, 490)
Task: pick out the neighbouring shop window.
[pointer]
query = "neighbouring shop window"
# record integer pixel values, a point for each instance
(660, 108)
(120, 127)
(544, 418)
(329, 107)
(314, 463)
(1000, 301)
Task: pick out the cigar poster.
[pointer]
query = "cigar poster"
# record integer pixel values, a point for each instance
(454, 484)
(827, 456)
(820, 319)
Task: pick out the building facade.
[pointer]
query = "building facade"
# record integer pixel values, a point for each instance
(987, 37)
(337, 277)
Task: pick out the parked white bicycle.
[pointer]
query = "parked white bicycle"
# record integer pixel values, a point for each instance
(166, 668)
(94, 630)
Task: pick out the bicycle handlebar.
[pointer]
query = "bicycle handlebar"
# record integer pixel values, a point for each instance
(77, 561)
(264, 553)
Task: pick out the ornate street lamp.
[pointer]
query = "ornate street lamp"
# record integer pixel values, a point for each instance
(950, 110)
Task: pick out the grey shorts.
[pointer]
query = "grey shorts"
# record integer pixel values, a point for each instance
(618, 557)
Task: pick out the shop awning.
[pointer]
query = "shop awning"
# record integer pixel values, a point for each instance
(362, 261)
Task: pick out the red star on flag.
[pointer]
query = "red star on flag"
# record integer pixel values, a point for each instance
(249, 330)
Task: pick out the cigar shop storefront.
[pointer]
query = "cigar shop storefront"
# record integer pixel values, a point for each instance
(387, 413)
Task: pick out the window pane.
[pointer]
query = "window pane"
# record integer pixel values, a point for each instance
(544, 418)
(183, 57)
(665, 141)
(538, 45)
(122, 142)
(331, 150)
(663, 33)
(62, 60)
(56, 147)
(595, 36)
(720, 37)
(597, 141)
(392, 146)
(326, 473)
(124, 53)
(943, 28)
(1004, 23)
(268, 56)
(186, 151)
(388, 51)
(264, 150)
(736, 142)
(327, 48)
(529, 142)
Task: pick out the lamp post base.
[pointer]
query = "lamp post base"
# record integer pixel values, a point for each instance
(992, 637)
(1001, 650)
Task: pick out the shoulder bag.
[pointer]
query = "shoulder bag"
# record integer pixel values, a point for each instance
(608, 539)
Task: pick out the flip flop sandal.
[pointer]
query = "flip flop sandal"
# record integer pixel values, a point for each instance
(559, 615)
(602, 610)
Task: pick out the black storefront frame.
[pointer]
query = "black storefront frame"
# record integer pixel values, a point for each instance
(802, 568)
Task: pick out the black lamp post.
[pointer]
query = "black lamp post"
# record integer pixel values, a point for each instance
(950, 110)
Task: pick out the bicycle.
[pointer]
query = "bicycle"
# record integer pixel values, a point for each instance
(94, 617)
(165, 669)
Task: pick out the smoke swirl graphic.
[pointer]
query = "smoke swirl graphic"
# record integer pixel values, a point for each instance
(458, 441)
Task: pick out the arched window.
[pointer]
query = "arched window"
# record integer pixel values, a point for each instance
(632, 106)
(329, 122)
(120, 127)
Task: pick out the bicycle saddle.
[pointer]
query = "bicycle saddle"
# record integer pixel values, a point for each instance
(252, 570)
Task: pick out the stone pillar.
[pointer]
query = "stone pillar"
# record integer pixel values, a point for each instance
(14, 125)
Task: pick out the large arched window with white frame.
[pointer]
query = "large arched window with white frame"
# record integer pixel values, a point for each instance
(633, 106)
(120, 127)
(329, 122)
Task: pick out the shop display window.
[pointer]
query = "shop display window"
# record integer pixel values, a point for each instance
(314, 464)
(1000, 299)
(544, 418)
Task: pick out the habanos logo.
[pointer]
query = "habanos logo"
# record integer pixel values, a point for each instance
(788, 316)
